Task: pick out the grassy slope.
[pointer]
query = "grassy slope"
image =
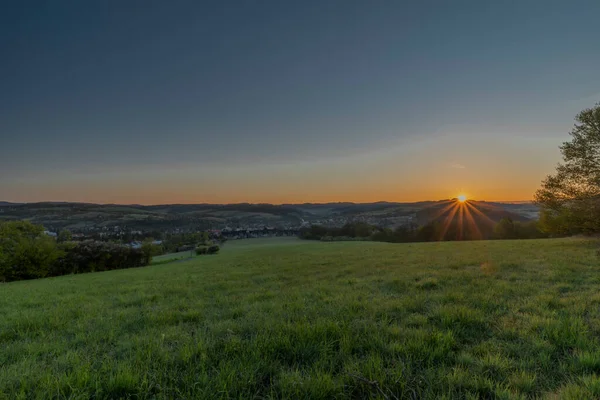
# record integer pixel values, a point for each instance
(281, 319)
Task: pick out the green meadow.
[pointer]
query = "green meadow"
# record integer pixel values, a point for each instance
(278, 319)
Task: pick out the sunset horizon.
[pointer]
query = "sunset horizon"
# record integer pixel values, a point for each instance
(211, 103)
(241, 201)
(320, 200)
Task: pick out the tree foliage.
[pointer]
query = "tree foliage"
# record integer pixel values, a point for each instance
(174, 242)
(505, 229)
(64, 236)
(94, 256)
(27, 253)
(431, 232)
(149, 250)
(570, 199)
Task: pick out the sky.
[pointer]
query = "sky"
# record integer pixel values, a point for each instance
(152, 102)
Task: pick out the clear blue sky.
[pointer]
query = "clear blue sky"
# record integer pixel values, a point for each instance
(280, 101)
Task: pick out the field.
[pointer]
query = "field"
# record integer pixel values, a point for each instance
(296, 319)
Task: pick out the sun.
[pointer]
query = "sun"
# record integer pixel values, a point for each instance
(462, 198)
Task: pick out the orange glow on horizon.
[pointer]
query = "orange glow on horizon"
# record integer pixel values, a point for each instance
(227, 192)
(460, 216)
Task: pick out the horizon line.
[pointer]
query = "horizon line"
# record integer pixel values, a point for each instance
(257, 203)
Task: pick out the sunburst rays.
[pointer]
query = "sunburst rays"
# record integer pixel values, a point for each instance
(464, 215)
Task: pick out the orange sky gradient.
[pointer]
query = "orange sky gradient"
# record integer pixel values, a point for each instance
(441, 168)
(290, 103)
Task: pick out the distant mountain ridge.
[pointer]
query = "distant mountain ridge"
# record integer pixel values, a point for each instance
(7, 203)
(468, 220)
(88, 216)
(271, 204)
(481, 212)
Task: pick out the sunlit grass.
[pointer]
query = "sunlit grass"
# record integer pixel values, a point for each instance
(294, 319)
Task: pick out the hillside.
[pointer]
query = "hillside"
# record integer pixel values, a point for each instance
(92, 217)
(481, 212)
(298, 319)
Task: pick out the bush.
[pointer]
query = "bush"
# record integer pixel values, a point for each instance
(188, 247)
(150, 250)
(315, 232)
(92, 256)
(344, 239)
(201, 250)
(212, 249)
(26, 253)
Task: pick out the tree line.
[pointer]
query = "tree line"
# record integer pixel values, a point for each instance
(431, 232)
(27, 253)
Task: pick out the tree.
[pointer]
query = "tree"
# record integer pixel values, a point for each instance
(19, 229)
(430, 232)
(204, 238)
(570, 199)
(25, 252)
(505, 229)
(201, 250)
(64, 236)
(149, 249)
(528, 230)
(356, 229)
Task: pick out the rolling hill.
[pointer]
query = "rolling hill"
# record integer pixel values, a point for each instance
(85, 216)
(464, 220)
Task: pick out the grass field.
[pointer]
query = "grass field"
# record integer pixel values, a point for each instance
(295, 319)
